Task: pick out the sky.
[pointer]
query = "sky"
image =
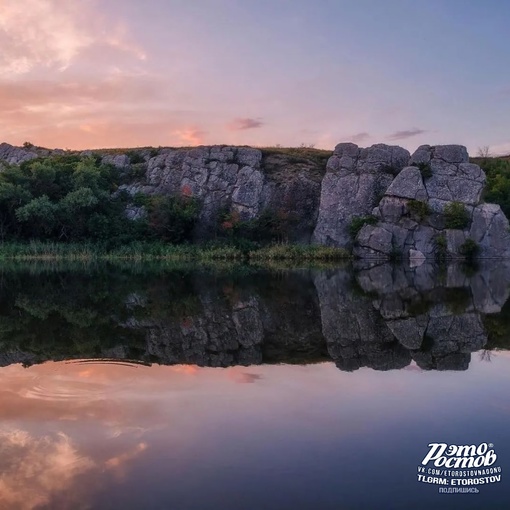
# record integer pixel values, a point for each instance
(82, 74)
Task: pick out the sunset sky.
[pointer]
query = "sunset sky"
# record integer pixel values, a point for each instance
(117, 73)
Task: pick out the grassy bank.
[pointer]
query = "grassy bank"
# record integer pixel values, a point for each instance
(39, 251)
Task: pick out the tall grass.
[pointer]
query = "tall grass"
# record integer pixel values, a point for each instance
(299, 252)
(88, 252)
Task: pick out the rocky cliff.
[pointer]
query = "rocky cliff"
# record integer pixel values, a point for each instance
(428, 205)
(434, 208)
(241, 181)
(354, 182)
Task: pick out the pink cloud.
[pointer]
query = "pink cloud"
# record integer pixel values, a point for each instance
(53, 33)
(241, 124)
(190, 136)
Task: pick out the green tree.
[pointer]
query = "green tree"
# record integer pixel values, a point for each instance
(39, 216)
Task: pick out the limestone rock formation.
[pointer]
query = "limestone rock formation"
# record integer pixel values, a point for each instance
(354, 182)
(239, 180)
(120, 161)
(15, 155)
(433, 208)
(409, 200)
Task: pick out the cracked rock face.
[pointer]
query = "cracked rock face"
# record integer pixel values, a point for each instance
(412, 213)
(491, 231)
(239, 180)
(224, 178)
(354, 182)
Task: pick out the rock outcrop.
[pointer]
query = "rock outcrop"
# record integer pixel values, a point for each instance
(407, 202)
(433, 209)
(15, 155)
(354, 182)
(238, 180)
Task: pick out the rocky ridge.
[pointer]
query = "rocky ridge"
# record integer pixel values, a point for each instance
(404, 198)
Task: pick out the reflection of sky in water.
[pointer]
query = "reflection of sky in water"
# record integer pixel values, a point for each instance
(108, 436)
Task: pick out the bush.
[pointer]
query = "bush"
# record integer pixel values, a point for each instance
(455, 216)
(135, 157)
(497, 189)
(358, 222)
(418, 209)
(269, 227)
(425, 169)
(172, 218)
(469, 249)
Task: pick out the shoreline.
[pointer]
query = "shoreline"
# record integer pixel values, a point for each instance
(40, 251)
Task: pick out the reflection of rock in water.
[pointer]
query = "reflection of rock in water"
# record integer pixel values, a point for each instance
(437, 316)
(355, 332)
(382, 317)
(243, 326)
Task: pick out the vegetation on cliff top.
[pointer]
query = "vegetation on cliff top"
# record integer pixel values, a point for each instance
(497, 190)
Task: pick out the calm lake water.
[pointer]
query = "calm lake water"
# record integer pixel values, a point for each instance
(237, 388)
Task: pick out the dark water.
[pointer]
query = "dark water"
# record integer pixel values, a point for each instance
(241, 388)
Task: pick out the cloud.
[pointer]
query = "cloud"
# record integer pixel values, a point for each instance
(35, 470)
(406, 133)
(53, 33)
(32, 95)
(190, 136)
(244, 377)
(122, 109)
(359, 137)
(240, 124)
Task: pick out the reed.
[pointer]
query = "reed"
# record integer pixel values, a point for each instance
(81, 252)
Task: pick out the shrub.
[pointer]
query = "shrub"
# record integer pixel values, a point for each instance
(469, 249)
(455, 216)
(358, 222)
(497, 189)
(172, 218)
(269, 227)
(425, 169)
(418, 209)
(135, 157)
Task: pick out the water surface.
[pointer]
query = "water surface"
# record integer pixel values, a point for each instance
(230, 388)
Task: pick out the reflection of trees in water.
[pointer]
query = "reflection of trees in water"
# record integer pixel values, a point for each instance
(486, 355)
(381, 317)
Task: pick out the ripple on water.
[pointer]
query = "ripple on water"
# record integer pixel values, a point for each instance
(66, 386)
